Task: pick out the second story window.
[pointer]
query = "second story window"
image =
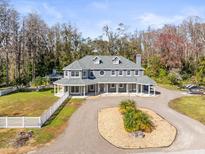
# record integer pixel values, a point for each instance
(91, 74)
(120, 72)
(113, 73)
(75, 74)
(128, 73)
(136, 72)
(66, 73)
(84, 74)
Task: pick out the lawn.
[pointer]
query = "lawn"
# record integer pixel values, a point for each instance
(192, 106)
(47, 133)
(26, 103)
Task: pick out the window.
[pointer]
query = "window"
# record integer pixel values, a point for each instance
(75, 73)
(136, 72)
(113, 73)
(91, 74)
(102, 73)
(74, 89)
(112, 86)
(84, 73)
(121, 85)
(66, 73)
(128, 73)
(91, 87)
(120, 73)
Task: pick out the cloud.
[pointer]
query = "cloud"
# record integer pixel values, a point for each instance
(100, 5)
(157, 21)
(52, 11)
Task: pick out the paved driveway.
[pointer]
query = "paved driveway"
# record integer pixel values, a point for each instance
(82, 136)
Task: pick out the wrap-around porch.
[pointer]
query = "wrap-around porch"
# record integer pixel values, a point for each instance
(104, 88)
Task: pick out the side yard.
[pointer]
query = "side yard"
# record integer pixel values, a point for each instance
(192, 106)
(34, 104)
(26, 103)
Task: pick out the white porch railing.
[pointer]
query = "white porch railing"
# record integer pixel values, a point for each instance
(32, 122)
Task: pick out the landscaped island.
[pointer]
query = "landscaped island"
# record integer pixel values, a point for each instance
(192, 106)
(117, 129)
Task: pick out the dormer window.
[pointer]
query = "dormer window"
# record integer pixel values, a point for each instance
(116, 60)
(97, 60)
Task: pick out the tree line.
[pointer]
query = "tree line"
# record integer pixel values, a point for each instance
(30, 48)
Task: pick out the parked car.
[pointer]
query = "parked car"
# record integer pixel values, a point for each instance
(193, 89)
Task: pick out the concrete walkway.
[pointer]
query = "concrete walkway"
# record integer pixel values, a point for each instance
(82, 136)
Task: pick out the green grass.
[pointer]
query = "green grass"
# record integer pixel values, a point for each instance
(192, 106)
(26, 103)
(50, 131)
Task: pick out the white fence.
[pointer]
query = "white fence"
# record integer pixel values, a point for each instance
(20, 122)
(7, 91)
(32, 122)
(47, 114)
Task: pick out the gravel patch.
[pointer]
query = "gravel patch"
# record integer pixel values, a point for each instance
(111, 127)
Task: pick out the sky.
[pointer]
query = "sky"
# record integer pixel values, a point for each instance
(89, 16)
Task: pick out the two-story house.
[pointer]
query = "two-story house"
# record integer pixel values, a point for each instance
(93, 75)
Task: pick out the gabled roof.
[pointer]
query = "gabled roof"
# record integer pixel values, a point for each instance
(106, 63)
(73, 66)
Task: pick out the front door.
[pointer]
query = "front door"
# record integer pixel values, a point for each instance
(101, 88)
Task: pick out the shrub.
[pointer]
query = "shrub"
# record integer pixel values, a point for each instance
(134, 119)
(126, 105)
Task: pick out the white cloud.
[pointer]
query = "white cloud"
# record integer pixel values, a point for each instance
(52, 11)
(157, 21)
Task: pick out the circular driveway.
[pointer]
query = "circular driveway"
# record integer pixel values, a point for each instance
(82, 136)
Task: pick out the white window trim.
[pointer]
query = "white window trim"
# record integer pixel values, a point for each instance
(103, 73)
(112, 74)
(74, 73)
(119, 73)
(85, 74)
(111, 86)
(127, 74)
(137, 74)
(75, 92)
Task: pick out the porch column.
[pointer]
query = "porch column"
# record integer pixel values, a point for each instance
(149, 89)
(84, 91)
(98, 88)
(141, 88)
(54, 88)
(136, 88)
(106, 88)
(95, 89)
(117, 88)
(154, 91)
(127, 87)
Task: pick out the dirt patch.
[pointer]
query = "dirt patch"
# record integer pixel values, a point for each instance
(111, 127)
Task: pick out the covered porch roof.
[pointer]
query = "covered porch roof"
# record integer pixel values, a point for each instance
(145, 80)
